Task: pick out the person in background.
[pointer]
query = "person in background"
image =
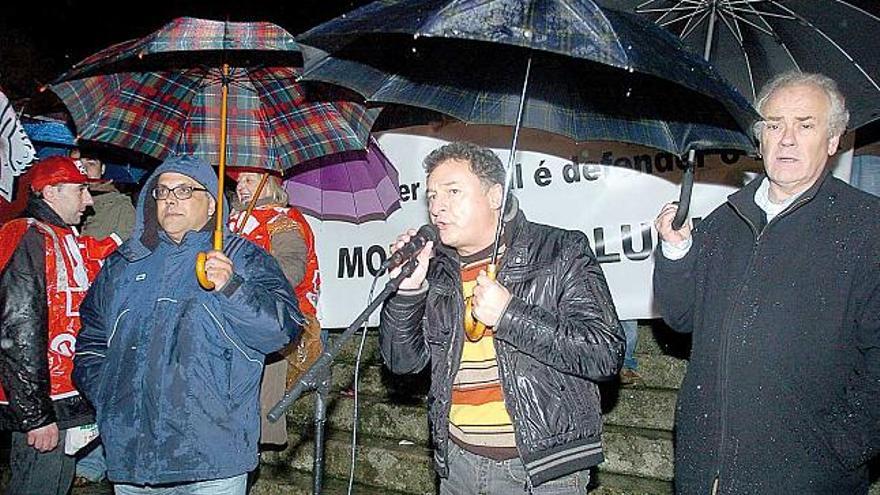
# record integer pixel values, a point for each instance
(283, 232)
(113, 212)
(629, 375)
(45, 270)
(173, 369)
(514, 409)
(781, 289)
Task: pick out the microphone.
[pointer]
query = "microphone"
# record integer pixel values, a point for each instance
(409, 250)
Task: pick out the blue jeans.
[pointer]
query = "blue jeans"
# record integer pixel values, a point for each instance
(92, 465)
(631, 330)
(471, 474)
(236, 485)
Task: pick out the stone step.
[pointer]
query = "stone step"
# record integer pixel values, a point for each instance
(370, 354)
(655, 338)
(642, 408)
(381, 463)
(657, 371)
(645, 458)
(616, 484)
(276, 480)
(638, 453)
(660, 371)
(379, 417)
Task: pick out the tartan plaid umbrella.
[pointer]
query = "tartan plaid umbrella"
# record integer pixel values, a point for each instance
(214, 90)
(353, 187)
(161, 95)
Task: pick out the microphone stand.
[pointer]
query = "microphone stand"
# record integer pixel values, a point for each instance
(317, 377)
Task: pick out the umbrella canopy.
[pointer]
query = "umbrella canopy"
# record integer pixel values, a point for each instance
(749, 42)
(595, 74)
(353, 187)
(54, 137)
(162, 95)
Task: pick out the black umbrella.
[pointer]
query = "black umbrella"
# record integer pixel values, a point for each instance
(590, 73)
(750, 41)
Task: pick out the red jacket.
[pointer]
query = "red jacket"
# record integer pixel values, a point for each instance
(266, 221)
(40, 314)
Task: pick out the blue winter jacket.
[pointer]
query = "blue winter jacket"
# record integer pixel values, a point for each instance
(174, 370)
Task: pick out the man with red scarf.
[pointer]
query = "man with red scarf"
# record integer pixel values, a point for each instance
(45, 270)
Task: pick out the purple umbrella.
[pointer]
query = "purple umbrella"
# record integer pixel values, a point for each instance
(351, 187)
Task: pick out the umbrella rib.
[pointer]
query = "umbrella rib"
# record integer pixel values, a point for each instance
(779, 40)
(687, 26)
(688, 17)
(734, 29)
(781, 44)
(659, 21)
(699, 21)
(861, 10)
(768, 30)
(833, 43)
(738, 35)
(760, 13)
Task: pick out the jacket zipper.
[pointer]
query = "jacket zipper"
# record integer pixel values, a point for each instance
(716, 482)
(453, 362)
(500, 360)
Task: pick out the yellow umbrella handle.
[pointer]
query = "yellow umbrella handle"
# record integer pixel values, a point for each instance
(473, 328)
(221, 174)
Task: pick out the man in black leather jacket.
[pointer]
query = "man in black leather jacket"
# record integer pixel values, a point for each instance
(44, 273)
(516, 410)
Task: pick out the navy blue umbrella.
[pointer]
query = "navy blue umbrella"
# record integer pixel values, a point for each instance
(568, 67)
(595, 74)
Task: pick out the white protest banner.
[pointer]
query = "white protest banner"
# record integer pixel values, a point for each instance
(610, 191)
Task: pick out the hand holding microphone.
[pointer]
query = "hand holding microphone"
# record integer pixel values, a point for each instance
(412, 244)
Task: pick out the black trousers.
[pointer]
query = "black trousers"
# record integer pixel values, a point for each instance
(33, 472)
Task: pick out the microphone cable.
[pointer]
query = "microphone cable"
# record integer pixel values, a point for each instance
(355, 414)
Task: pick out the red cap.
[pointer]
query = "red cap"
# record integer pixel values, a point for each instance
(57, 170)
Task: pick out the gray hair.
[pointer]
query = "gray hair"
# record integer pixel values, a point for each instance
(484, 163)
(838, 116)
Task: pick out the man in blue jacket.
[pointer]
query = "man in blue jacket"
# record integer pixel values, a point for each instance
(173, 370)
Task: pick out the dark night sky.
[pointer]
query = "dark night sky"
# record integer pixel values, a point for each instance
(40, 39)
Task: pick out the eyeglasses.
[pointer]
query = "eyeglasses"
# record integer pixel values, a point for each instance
(180, 192)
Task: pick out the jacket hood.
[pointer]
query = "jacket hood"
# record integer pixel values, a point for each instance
(145, 235)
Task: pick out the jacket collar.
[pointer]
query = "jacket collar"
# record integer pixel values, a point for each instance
(39, 210)
(450, 259)
(743, 201)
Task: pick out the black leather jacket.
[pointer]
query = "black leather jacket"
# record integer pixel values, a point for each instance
(24, 367)
(557, 337)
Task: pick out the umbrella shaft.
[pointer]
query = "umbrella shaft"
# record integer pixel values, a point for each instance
(221, 169)
(510, 159)
(710, 34)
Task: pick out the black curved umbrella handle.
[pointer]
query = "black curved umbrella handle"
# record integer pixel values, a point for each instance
(684, 198)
